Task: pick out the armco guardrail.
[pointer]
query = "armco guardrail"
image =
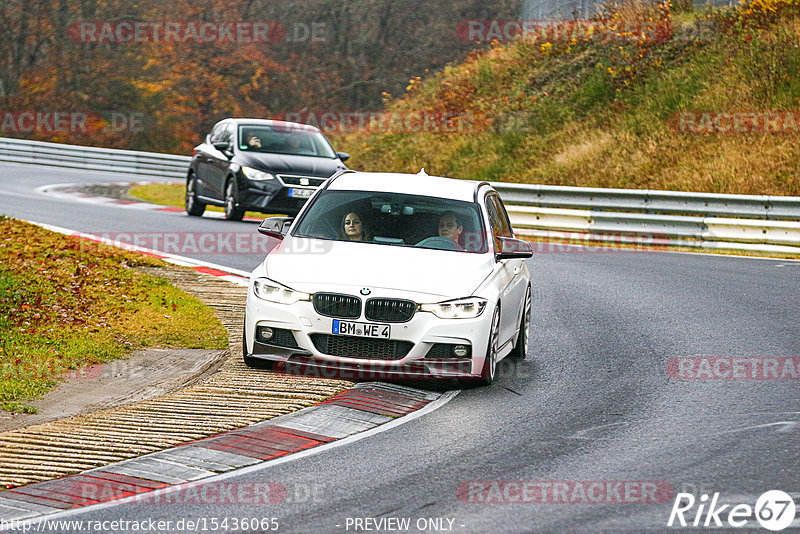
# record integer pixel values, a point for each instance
(650, 201)
(709, 232)
(95, 159)
(738, 222)
(700, 220)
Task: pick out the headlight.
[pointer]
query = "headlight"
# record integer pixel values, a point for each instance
(456, 309)
(266, 289)
(255, 174)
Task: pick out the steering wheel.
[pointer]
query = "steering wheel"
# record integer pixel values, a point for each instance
(441, 243)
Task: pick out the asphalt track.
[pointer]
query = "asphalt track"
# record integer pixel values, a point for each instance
(592, 403)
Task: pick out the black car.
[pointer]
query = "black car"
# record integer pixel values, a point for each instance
(259, 165)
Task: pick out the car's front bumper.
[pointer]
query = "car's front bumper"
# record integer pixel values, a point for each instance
(272, 195)
(423, 331)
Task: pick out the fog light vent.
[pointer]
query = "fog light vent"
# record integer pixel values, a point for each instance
(441, 351)
(264, 333)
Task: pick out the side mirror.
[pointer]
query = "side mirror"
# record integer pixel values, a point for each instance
(511, 248)
(222, 146)
(276, 227)
(344, 156)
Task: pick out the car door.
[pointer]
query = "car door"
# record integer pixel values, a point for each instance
(204, 157)
(510, 277)
(219, 162)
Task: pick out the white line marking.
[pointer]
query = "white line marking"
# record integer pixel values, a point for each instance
(783, 426)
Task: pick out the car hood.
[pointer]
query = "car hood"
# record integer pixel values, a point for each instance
(313, 265)
(284, 164)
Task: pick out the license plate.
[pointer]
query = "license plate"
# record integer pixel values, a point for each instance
(295, 192)
(346, 328)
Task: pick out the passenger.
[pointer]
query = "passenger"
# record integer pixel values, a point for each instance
(352, 229)
(450, 226)
(296, 145)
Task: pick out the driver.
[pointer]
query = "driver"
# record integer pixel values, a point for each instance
(352, 229)
(253, 141)
(449, 226)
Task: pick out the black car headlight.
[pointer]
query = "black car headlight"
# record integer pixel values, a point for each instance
(256, 175)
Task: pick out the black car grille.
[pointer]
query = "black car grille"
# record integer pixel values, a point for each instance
(361, 347)
(390, 310)
(296, 180)
(335, 305)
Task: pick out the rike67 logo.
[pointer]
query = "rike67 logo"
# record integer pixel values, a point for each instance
(774, 510)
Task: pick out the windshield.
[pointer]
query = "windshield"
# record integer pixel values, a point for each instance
(394, 219)
(284, 140)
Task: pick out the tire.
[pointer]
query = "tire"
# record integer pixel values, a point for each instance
(254, 363)
(194, 207)
(232, 212)
(490, 362)
(520, 350)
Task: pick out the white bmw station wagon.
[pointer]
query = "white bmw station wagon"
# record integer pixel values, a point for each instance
(391, 276)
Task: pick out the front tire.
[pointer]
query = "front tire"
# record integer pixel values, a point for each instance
(232, 211)
(490, 362)
(520, 350)
(194, 207)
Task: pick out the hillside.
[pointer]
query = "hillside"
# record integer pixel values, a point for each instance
(668, 105)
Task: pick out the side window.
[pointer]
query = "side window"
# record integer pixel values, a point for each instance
(227, 135)
(216, 133)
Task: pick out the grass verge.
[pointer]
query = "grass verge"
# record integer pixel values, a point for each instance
(66, 303)
(174, 195)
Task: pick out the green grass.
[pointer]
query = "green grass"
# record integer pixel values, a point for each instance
(174, 195)
(66, 303)
(600, 114)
